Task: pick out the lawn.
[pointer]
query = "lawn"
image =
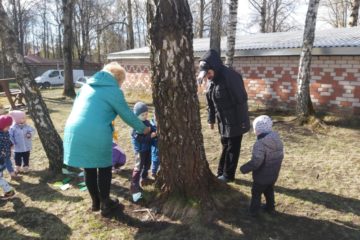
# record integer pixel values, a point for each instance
(317, 194)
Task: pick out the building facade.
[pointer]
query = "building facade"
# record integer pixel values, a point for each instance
(269, 65)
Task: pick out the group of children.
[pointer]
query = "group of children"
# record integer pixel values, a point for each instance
(17, 135)
(265, 164)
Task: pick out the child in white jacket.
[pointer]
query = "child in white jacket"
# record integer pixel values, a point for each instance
(21, 136)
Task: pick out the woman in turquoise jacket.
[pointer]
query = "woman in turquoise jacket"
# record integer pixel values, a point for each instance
(88, 132)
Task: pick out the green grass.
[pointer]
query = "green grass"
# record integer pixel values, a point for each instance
(317, 194)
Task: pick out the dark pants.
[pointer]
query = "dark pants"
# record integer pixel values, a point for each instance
(256, 191)
(98, 181)
(22, 157)
(229, 156)
(142, 166)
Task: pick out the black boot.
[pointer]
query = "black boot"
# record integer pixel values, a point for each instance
(108, 205)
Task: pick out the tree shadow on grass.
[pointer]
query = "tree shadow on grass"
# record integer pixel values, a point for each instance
(46, 225)
(279, 225)
(328, 200)
(42, 191)
(233, 222)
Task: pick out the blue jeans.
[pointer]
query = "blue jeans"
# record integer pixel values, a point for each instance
(8, 165)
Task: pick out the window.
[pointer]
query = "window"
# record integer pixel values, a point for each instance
(54, 74)
(62, 73)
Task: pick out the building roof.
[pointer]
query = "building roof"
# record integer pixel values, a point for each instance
(336, 41)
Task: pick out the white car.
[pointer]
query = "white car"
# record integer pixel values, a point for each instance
(56, 77)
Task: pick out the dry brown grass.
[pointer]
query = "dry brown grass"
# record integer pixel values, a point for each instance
(317, 194)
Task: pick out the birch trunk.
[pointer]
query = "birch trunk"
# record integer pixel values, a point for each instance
(130, 29)
(354, 16)
(215, 28)
(185, 173)
(49, 137)
(304, 107)
(231, 33)
(68, 6)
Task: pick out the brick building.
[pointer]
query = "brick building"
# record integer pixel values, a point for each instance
(269, 65)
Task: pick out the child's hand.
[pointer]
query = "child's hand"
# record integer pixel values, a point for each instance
(153, 135)
(147, 130)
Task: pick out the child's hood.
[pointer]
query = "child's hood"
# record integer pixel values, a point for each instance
(272, 141)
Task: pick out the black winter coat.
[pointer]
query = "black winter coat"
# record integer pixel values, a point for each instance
(227, 98)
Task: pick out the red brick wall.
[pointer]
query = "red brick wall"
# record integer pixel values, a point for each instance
(271, 81)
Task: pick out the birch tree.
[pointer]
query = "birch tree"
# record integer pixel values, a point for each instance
(338, 12)
(231, 33)
(354, 16)
(130, 27)
(215, 28)
(181, 148)
(49, 138)
(275, 15)
(304, 107)
(68, 6)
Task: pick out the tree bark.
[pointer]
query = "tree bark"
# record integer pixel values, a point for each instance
(304, 107)
(354, 16)
(231, 33)
(201, 18)
(68, 6)
(215, 28)
(263, 16)
(130, 27)
(49, 137)
(176, 103)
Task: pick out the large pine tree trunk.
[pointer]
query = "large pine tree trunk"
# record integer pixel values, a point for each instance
(231, 33)
(354, 16)
(68, 6)
(50, 139)
(215, 28)
(130, 28)
(184, 172)
(304, 107)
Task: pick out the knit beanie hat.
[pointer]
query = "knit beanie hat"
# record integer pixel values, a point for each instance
(140, 108)
(262, 124)
(17, 115)
(5, 121)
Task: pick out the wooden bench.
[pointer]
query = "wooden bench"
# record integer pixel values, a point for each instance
(14, 96)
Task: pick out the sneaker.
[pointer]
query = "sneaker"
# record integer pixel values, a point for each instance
(17, 169)
(108, 205)
(15, 176)
(25, 169)
(8, 195)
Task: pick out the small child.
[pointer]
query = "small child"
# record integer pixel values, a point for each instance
(154, 149)
(118, 155)
(21, 135)
(5, 152)
(118, 158)
(141, 144)
(267, 156)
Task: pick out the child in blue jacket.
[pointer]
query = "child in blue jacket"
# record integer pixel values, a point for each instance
(154, 149)
(5, 149)
(21, 135)
(142, 149)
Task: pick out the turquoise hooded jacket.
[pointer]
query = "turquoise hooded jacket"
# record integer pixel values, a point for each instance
(88, 130)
